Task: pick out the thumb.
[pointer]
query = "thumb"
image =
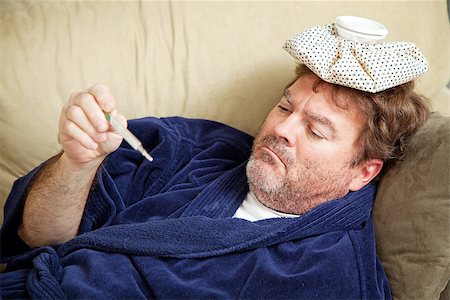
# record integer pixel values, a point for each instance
(114, 117)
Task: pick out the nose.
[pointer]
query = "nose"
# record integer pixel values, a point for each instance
(286, 130)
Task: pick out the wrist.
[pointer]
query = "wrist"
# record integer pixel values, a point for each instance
(83, 168)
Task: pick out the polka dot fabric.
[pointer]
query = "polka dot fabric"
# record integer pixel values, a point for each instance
(367, 67)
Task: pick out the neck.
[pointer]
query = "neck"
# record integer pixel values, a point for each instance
(292, 203)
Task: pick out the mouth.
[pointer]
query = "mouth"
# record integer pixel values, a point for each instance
(273, 154)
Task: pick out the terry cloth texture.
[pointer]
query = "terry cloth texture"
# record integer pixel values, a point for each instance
(165, 230)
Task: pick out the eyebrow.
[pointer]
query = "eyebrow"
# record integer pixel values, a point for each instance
(322, 120)
(318, 118)
(288, 96)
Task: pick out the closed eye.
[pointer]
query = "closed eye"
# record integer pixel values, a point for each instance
(315, 134)
(282, 108)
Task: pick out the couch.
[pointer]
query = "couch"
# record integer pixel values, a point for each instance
(223, 61)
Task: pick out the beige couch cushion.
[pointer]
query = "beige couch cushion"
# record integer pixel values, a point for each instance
(412, 215)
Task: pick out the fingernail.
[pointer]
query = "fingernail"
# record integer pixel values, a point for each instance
(108, 106)
(101, 126)
(101, 137)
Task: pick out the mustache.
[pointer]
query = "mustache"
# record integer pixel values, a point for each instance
(276, 145)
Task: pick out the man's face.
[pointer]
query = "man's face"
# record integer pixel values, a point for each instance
(302, 155)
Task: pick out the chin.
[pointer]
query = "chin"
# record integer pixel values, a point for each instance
(262, 176)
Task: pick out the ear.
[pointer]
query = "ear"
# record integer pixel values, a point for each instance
(365, 173)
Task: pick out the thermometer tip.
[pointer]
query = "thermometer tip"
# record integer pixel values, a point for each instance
(147, 156)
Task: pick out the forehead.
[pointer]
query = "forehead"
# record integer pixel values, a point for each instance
(345, 118)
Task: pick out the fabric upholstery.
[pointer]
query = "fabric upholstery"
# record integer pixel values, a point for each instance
(412, 215)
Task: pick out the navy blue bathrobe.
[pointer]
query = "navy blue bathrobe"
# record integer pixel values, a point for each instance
(164, 229)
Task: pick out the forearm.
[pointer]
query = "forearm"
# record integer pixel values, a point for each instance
(57, 197)
(55, 202)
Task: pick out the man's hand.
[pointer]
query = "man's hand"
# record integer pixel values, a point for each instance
(84, 133)
(57, 197)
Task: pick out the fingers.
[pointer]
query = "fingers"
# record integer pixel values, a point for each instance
(76, 133)
(77, 115)
(83, 120)
(93, 102)
(122, 120)
(90, 108)
(103, 97)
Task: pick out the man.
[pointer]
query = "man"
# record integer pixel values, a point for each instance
(201, 221)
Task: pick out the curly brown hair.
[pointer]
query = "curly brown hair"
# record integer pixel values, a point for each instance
(391, 118)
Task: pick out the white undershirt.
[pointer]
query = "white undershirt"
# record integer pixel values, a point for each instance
(253, 210)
